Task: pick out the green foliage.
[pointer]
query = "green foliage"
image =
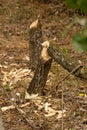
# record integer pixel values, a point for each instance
(78, 4)
(65, 51)
(7, 87)
(80, 42)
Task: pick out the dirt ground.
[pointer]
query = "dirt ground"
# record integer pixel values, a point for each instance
(67, 108)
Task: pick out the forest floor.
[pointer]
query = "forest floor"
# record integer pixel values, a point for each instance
(65, 109)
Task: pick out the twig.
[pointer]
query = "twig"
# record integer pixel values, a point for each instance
(62, 105)
(61, 81)
(21, 112)
(76, 68)
(1, 122)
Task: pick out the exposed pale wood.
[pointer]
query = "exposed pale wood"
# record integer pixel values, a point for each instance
(42, 63)
(13, 107)
(39, 59)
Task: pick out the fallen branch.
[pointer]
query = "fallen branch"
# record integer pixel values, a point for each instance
(67, 62)
(77, 67)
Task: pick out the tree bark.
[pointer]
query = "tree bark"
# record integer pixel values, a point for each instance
(40, 77)
(66, 61)
(35, 40)
(40, 66)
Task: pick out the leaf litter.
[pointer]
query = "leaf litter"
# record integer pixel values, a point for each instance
(39, 112)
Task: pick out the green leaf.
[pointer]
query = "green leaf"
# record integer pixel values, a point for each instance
(80, 42)
(78, 4)
(72, 3)
(65, 51)
(7, 88)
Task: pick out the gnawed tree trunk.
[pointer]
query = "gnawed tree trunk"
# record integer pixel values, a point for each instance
(66, 61)
(37, 62)
(40, 77)
(42, 64)
(35, 40)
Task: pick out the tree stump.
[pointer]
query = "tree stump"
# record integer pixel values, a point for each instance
(40, 77)
(41, 56)
(35, 40)
(39, 59)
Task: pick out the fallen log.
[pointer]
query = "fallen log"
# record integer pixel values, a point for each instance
(68, 63)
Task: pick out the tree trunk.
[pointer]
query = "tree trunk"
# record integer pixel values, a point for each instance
(40, 77)
(66, 61)
(41, 66)
(35, 40)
